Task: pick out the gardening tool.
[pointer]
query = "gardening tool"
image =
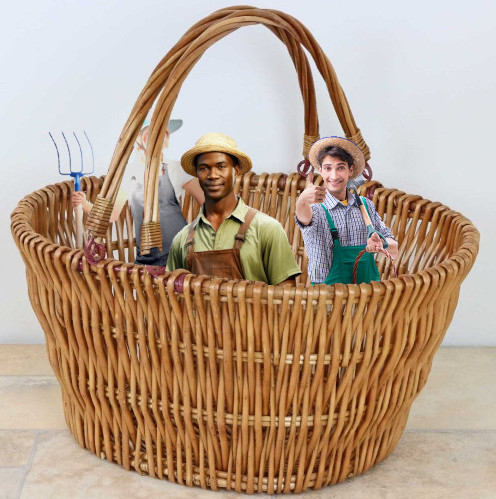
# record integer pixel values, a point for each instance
(353, 187)
(76, 174)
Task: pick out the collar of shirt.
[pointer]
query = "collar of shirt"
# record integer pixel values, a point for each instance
(239, 213)
(330, 202)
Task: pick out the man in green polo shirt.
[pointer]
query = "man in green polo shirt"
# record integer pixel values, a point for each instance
(228, 238)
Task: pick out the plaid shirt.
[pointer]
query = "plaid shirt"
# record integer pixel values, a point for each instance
(351, 230)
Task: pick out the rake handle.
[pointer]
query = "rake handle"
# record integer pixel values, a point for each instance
(368, 222)
(79, 225)
(78, 211)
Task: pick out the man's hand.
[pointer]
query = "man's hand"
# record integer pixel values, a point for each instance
(79, 197)
(374, 244)
(311, 194)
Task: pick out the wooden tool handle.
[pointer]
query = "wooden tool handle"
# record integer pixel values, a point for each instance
(78, 217)
(365, 215)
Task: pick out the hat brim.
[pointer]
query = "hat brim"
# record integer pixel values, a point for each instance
(173, 125)
(346, 144)
(188, 158)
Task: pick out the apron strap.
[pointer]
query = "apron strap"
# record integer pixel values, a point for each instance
(240, 237)
(334, 231)
(190, 239)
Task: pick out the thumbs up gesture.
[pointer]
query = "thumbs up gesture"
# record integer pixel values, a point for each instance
(312, 193)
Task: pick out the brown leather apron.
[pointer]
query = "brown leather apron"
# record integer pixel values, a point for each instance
(219, 263)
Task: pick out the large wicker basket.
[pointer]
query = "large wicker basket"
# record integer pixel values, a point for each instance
(234, 384)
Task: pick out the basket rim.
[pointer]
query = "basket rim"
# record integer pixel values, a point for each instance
(22, 230)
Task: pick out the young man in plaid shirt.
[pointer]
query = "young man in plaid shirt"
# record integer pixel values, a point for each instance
(330, 220)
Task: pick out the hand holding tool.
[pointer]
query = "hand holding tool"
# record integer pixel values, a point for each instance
(76, 174)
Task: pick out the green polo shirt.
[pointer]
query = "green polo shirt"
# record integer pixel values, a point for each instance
(265, 255)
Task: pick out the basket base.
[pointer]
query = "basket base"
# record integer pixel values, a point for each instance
(343, 462)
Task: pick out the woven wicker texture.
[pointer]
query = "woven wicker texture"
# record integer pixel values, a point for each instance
(234, 384)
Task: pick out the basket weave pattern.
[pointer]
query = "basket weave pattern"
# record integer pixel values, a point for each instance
(241, 385)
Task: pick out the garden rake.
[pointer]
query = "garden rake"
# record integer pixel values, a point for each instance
(76, 174)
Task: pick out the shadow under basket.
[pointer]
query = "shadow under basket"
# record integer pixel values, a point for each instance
(234, 384)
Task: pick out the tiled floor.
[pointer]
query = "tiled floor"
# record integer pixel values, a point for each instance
(447, 451)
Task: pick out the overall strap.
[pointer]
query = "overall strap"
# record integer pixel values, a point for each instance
(240, 237)
(334, 231)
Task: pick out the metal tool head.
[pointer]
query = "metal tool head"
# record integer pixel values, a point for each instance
(355, 183)
(74, 172)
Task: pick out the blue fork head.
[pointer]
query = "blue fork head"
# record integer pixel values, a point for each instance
(76, 174)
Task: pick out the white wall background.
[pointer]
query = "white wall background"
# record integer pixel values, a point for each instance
(420, 78)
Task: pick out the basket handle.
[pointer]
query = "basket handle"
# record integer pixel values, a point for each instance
(167, 79)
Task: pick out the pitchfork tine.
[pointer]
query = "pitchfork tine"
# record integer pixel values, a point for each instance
(92, 155)
(80, 150)
(69, 151)
(57, 149)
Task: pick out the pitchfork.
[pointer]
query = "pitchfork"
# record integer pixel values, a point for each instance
(76, 174)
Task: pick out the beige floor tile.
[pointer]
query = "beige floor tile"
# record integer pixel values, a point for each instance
(425, 465)
(24, 360)
(450, 460)
(61, 468)
(15, 447)
(30, 403)
(428, 464)
(460, 392)
(10, 480)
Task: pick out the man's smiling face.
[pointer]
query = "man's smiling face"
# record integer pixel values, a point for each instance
(216, 173)
(336, 173)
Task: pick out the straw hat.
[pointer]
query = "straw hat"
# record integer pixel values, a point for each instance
(346, 144)
(214, 142)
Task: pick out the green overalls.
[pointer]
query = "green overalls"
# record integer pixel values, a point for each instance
(343, 260)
